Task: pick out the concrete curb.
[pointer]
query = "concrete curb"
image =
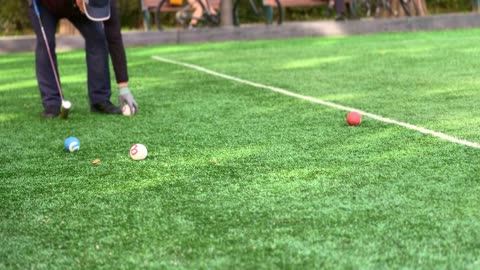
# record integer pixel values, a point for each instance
(253, 32)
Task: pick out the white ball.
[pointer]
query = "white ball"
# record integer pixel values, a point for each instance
(138, 152)
(126, 110)
(66, 104)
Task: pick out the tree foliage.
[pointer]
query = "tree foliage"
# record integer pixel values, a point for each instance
(13, 16)
(449, 5)
(130, 12)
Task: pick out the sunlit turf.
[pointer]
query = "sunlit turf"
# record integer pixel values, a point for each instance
(239, 177)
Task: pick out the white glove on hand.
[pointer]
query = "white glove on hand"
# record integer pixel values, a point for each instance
(127, 97)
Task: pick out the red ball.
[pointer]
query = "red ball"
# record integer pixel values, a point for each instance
(354, 118)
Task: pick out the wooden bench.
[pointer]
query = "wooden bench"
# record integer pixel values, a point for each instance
(303, 3)
(151, 5)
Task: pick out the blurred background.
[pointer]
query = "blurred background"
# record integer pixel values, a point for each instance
(14, 20)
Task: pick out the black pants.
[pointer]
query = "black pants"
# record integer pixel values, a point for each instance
(99, 88)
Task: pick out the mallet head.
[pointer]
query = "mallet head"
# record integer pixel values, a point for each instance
(66, 105)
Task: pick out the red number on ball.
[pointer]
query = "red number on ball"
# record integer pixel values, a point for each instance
(134, 150)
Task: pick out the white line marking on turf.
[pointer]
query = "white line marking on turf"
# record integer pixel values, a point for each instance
(322, 102)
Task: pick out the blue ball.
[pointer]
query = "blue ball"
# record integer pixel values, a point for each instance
(71, 144)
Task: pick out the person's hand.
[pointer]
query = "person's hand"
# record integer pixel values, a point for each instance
(80, 6)
(127, 97)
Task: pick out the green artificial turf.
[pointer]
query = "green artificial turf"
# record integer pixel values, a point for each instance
(242, 178)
